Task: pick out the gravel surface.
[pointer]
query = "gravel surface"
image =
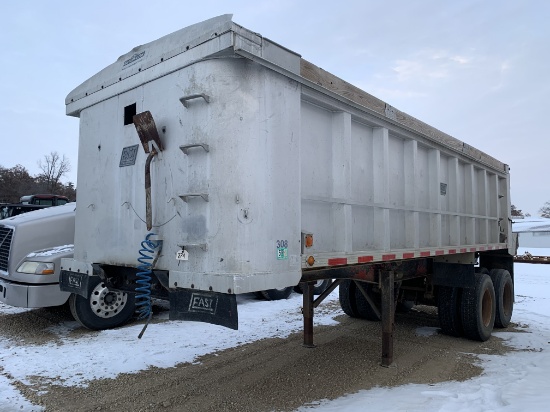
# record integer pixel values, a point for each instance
(267, 375)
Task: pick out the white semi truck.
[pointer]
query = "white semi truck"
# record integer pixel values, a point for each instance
(31, 248)
(228, 164)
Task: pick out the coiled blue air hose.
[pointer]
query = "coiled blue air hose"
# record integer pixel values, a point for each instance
(144, 276)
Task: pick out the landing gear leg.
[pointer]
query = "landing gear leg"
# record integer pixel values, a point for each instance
(308, 314)
(388, 316)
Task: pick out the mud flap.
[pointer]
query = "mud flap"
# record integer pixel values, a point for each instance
(74, 282)
(453, 275)
(201, 306)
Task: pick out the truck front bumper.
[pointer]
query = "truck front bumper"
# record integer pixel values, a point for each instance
(31, 296)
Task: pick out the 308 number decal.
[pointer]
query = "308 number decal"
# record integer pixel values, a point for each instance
(282, 243)
(282, 249)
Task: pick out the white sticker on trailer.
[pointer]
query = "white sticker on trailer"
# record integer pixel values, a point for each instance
(182, 255)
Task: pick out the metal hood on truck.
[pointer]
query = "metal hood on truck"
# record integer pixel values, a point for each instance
(32, 231)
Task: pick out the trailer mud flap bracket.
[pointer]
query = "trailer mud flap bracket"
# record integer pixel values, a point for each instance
(453, 275)
(202, 306)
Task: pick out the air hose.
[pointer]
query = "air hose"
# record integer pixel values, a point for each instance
(144, 276)
(150, 140)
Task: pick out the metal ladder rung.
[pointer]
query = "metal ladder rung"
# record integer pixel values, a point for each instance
(184, 99)
(185, 147)
(185, 197)
(203, 246)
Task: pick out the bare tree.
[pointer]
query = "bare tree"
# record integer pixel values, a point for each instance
(53, 169)
(14, 183)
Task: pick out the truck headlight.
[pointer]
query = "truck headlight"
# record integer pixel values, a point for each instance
(37, 268)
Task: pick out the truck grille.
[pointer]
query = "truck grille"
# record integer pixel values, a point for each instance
(6, 234)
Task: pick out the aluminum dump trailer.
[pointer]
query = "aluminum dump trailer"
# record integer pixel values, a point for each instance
(252, 169)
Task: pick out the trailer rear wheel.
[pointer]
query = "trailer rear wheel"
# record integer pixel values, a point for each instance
(346, 295)
(404, 306)
(259, 295)
(277, 294)
(364, 308)
(504, 292)
(104, 309)
(448, 310)
(478, 308)
(319, 287)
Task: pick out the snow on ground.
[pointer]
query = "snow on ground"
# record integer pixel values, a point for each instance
(519, 381)
(516, 382)
(105, 354)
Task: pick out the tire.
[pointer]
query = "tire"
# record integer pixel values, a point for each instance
(320, 286)
(104, 309)
(482, 270)
(259, 295)
(404, 306)
(277, 294)
(504, 292)
(478, 308)
(346, 296)
(448, 310)
(364, 309)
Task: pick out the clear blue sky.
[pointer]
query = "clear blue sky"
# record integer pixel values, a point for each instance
(477, 70)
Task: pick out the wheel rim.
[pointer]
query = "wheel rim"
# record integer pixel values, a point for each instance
(105, 303)
(319, 283)
(486, 308)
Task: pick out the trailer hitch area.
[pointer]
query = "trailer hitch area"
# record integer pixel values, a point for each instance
(150, 140)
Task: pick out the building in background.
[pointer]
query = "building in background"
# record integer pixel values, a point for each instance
(533, 232)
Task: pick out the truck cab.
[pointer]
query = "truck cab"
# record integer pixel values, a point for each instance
(31, 247)
(44, 200)
(29, 203)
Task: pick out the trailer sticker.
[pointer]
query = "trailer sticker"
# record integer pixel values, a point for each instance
(282, 249)
(182, 255)
(128, 156)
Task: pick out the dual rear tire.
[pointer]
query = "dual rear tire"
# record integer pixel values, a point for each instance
(474, 312)
(478, 308)
(470, 312)
(504, 291)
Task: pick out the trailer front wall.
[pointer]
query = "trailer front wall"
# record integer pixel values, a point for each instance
(249, 178)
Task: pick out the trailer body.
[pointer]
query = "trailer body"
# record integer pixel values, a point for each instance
(269, 171)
